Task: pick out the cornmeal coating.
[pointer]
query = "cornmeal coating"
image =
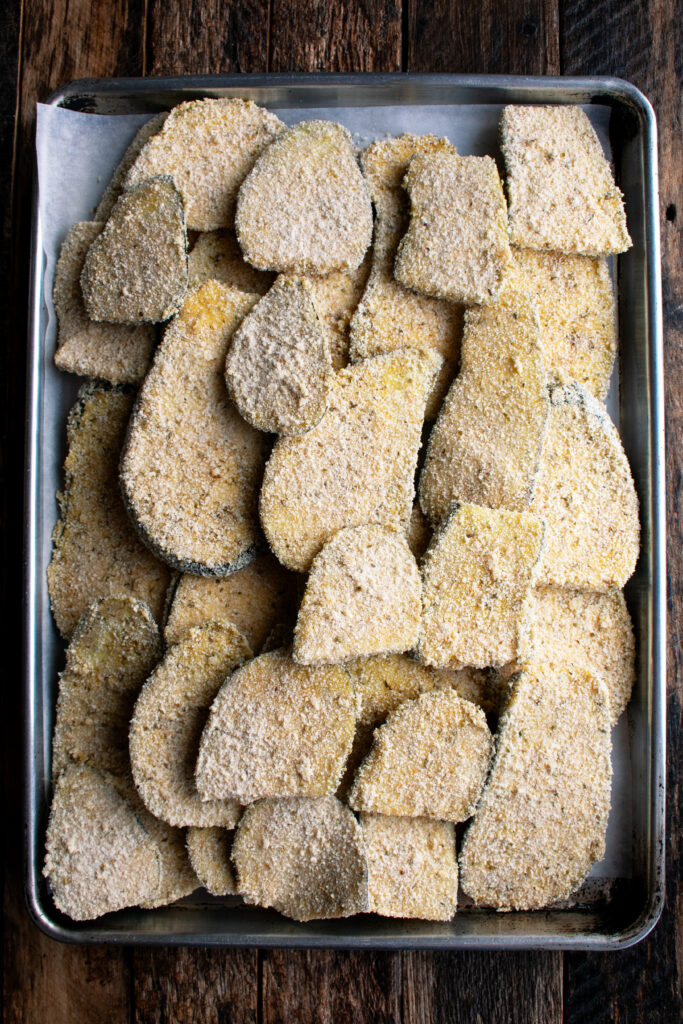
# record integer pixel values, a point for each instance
(116, 185)
(216, 256)
(209, 853)
(95, 551)
(586, 496)
(113, 649)
(99, 857)
(390, 316)
(457, 244)
(412, 867)
(191, 468)
(255, 599)
(208, 147)
(336, 297)
(357, 465)
(363, 597)
(169, 717)
(429, 760)
(540, 824)
(136, 269)
(560, 186)
(576, 306)
(478, 575)
(278, 367)
(277, 728)
(485, 447)
(303, 857)
(305, 208)
(119, 353)
(591, 631)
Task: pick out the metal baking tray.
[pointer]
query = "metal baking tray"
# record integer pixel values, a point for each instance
(629, 908)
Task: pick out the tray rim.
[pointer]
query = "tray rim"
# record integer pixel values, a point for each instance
(597, 87)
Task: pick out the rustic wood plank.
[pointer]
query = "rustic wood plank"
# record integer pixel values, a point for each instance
(195, 986)
(520, 37)
(313, 35)
(216, 36)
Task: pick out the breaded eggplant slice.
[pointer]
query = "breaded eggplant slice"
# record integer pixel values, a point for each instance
(585, 494)
(575, 301)
(390, 316)
(119, 353)
(478, 574)
(277, 728)
(363, 596)
(457, 246)
(336, 297)
(278, 367)
(591, 631)
(485, 447)
(116, 185)
(208, 147)
(254, 599)
(304, 857)
(135, 271)
(357, 465)
(191, 467)
(540, 824)
(412, 867)
(560, 186)
(95, 550)
(429, 760)
(209, 853)
(178, 878)
(168, 720)
(216, 256)
(99, 857)
(305, 208)
(113, 649)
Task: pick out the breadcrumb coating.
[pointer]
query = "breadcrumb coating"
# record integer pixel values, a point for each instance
(209, 853)
(216, 256)
(116, 185)
(336, 297)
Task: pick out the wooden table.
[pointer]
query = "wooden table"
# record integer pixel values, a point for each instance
(44, 43)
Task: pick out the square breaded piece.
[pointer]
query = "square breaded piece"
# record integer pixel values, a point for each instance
(412, 868)
(561, 189)
(540, 824)
(209, 853)
(586, 496)
(305, 208)
(216, 256)
(575, 301)
(118, 353)
(457, 244)
(485, 447)
(363, 597)
(478, 574)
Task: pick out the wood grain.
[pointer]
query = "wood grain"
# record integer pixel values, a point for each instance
(313, 35)
(195, 986)
(207, 38)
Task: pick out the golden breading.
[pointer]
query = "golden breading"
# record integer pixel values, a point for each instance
(540, 824)
(136, 269)
(112, 651)
(457, 244)
(119, 353)
(209, 853)
(336, 297)
(278, 367)
(575, 301)
(303, 857)
(389, 315)
(116, 186)
(419, 532)
(95, 550)
(412, 868)
(585, 495)
(99, 857)
(429, 760)
(255, 599)
(277, 729)
(191, 468)
(168, 720)
(560, 187)
(486, 445)
(305, 208)
(208, 147)
(216, 256)
(478, 574)
(357, 465)
(363, 597)
(591, 631)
